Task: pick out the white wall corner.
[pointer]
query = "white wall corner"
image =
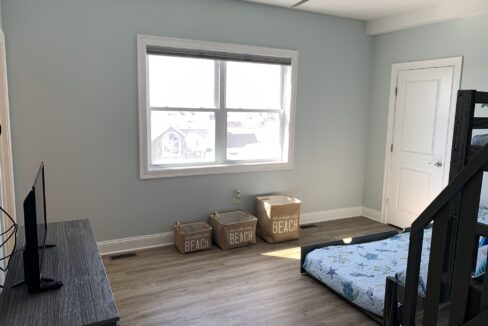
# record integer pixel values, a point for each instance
(373, 214)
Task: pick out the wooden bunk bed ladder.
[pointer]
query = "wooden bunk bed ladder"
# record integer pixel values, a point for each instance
(455, 235)
(469, 183)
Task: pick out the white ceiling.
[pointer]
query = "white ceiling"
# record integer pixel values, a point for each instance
(357, 9)
(383, 16)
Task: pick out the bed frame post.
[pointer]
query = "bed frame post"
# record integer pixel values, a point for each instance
(463, 125)
(390, 317)
(463, 130)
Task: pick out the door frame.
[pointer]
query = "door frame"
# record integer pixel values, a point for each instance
(457, 64)
(7, 192)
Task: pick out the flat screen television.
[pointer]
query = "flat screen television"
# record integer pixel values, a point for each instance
(35, 222)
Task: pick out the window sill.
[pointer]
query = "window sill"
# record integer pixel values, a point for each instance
(214, 169)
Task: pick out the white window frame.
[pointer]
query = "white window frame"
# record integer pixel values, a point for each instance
(288, 115)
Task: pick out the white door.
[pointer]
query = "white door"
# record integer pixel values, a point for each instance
(7, 200)
(420, 142)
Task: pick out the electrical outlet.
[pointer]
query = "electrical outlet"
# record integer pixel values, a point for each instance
(237, 197)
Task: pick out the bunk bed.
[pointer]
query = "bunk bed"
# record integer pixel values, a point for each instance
(386, 275)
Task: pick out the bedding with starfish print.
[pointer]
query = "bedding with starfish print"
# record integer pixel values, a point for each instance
(359, 272)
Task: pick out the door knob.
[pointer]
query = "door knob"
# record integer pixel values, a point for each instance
(437, 164)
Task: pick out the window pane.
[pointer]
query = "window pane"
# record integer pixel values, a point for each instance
(181, 82)
(253, 85)
(253, 136)
(182, 137)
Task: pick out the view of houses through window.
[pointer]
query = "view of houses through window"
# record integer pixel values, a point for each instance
(182, 137)
(181, 88)
(186, 137)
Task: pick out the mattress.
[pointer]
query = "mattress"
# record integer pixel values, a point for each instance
(358, 272)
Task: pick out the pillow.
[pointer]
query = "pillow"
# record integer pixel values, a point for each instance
(481, 263)
(483, 215)
(483, 242)
(479, 140)
(483, 218)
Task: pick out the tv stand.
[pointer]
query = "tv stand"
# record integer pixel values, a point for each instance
(85, 297)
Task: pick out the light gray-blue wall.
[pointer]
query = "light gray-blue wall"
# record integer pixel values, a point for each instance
(466, 37)
(73, 94)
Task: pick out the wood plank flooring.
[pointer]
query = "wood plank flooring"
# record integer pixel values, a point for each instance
(256, 285)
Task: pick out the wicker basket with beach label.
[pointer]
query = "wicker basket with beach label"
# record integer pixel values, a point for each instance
(278, 218)
(192, 237)
(233, 229)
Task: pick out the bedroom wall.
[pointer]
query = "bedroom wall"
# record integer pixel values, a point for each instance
(73, 93)
(465, 37)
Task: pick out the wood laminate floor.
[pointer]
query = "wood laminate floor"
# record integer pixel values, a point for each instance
(255, 285)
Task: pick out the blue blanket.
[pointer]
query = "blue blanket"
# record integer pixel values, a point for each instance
(359, 272)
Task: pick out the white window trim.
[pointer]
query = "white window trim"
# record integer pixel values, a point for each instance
(213, 168)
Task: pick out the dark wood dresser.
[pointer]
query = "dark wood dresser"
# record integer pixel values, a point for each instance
(85, 298)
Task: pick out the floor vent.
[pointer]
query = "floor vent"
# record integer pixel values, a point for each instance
(122, 256)
(308, 226)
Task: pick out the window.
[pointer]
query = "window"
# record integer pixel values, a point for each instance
(214, 108)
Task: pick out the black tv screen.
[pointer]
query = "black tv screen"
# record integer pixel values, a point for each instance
(39, 188)
(35, 225)
(35, 232)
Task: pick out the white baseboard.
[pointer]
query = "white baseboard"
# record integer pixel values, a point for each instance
(334, 214)
(373, 214)
(118, 246)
